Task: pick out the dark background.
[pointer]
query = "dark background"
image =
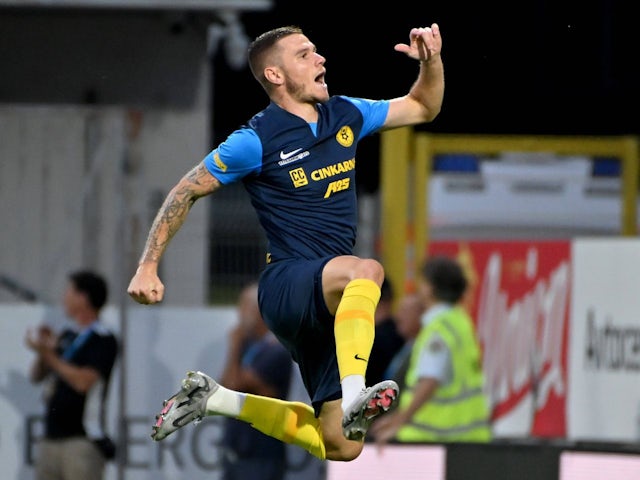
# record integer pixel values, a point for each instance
(532, 67)
(537, 67)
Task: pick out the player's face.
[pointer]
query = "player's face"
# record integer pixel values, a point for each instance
(304, 70)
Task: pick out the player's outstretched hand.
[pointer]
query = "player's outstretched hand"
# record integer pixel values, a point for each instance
(424, 43)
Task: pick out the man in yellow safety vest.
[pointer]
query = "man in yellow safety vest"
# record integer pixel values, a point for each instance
(443, 398)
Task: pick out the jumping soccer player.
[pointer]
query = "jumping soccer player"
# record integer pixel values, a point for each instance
(296, 159)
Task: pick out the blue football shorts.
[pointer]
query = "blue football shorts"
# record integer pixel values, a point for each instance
(293, 306)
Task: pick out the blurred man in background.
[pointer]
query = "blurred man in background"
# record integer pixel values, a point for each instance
(443, 399)
(256, 363)
(76, 365)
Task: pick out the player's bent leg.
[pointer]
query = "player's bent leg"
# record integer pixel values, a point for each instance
(289, 422)
(354, 331)
(200, 396)
(338, 447)
(354, 328)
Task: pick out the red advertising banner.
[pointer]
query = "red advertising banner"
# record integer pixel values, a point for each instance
(520, 300)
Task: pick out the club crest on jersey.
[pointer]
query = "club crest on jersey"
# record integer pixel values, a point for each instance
(345, 136)
(298, 177)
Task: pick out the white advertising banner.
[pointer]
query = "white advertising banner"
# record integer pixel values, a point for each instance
(596, 466)
(406, 462)
(604, 363)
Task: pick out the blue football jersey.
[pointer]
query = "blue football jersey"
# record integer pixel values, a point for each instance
(300, 176)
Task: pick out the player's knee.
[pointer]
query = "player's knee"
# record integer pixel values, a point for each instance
(371, 269)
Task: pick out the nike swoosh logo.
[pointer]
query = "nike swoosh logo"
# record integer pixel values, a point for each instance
(357, 357)
(284, 156)
(178, 422)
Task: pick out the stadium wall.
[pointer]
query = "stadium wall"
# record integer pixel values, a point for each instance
(101, 111)
(80, 187)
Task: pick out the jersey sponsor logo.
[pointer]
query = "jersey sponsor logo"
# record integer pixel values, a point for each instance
(335, 169)
(298, 177)
(221, 165)
(337, 186)
(284, 156)
(345, 136)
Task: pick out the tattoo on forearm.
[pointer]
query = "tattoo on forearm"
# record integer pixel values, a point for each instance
(199, 175)
(195, 184)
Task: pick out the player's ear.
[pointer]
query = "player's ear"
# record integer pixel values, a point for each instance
(274, 75)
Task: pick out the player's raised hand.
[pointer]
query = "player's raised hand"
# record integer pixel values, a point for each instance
(424, 43)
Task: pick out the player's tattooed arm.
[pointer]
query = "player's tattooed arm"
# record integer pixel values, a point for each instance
(196, 184)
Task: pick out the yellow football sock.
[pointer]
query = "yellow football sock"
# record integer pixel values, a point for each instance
(354, 328)
(289, 422)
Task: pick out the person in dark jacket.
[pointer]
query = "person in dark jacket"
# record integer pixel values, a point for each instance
(76, 367)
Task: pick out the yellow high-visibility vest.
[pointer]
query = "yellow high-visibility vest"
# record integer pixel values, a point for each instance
(458, 411)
